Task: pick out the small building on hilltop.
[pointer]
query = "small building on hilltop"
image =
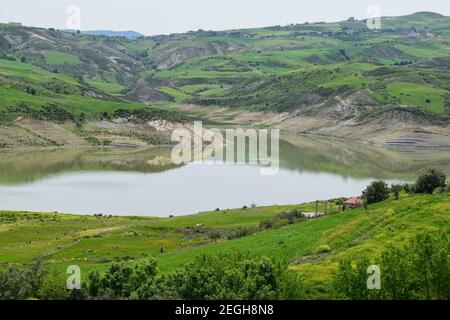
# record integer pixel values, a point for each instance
(353, 202)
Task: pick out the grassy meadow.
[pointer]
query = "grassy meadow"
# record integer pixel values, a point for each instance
(94, 242)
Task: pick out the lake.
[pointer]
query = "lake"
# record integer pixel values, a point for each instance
(145, 182)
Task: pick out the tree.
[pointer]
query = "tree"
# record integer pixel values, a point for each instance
(395, 189)
(417, 270)
(351, 282)
(396, 273)
(234, 276)
(15, 284)
(122, 281)
(94, 283)
(53, 286)
(377, 191)
(429, 180)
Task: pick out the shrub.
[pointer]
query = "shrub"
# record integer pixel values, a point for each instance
(395, 190)
(439, 190)
(235, 276)
(377, 191)
(323, 248)
(390, 212)
(121, 281)
(351, 282)
(418, 270)
(266, 224)
(208, 277)
(53, 286)
(15, 284)
(407, 187)
(429, 180)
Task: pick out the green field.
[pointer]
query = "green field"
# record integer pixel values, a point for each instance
(412, 94)
(56, 58)
(94, 242)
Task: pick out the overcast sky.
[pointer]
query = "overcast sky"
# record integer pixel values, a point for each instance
(167, 16)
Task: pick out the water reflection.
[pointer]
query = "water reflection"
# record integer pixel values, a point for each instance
(145, 182)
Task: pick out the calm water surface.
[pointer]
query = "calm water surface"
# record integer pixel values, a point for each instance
(145, 182)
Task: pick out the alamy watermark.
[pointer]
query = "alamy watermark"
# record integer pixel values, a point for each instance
(73, 21)
(374, 19)
(227, 146)
(374, 279)
(74, 280)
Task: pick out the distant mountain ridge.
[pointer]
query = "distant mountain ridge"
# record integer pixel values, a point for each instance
(129, 34)
(110, 33)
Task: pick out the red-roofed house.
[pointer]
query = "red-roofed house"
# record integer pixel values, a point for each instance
(353, 202)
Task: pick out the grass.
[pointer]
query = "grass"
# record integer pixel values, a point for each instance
(56, 58)
(22, 75)
(261, 69)
(412, 94)
(93, 242)
(277, 68)
(111, 88)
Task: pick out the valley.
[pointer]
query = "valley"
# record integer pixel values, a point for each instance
(330, 79)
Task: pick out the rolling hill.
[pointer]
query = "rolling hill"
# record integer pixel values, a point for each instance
(94, 242)
(387, 86)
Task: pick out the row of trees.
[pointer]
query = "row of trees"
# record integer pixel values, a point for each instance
(429, 181)
(208, 277)
(236, 276)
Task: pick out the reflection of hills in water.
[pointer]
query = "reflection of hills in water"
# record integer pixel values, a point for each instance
(297, 153)
(355, 160)
(28, 166)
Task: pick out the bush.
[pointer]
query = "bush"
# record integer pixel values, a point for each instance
(15, 284)
(49, 112)
(439, 190)
(323, 249)
(390, 212)
(52, 286)
(408, 188)
(395, 190)
(377, 191)
(429, 180)
(122, 281)
(351, 282)
(208, 277)
(418, 270)
(235, 276)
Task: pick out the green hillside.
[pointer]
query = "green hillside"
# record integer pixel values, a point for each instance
(302, 67)
(94, 242)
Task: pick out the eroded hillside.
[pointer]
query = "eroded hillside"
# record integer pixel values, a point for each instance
(387, 86)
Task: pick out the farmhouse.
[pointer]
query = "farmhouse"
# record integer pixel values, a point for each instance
(353, 202)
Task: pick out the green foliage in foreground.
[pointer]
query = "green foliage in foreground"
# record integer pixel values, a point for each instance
(418, 270)
(233, 276)
(36, 281)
